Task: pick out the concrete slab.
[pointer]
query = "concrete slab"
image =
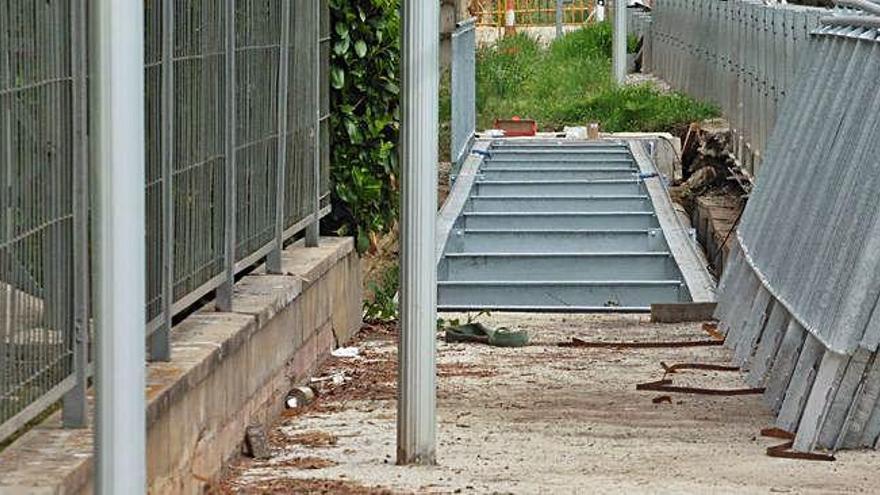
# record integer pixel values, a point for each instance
(546, 419)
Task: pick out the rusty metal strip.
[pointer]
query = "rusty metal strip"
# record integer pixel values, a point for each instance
(777, 433)
(667, 386)
(673, 368)
(711, 327)
(784, 451)
(576, 342)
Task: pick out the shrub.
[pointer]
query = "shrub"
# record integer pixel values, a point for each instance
(365, 121)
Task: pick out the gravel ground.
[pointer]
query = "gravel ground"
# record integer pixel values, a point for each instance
(544, 419)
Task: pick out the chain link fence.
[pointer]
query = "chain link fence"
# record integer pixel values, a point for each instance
(267, 144)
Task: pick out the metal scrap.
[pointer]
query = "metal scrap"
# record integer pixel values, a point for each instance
(665, 385)
(576, 342)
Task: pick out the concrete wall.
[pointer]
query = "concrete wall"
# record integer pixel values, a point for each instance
(228, 371)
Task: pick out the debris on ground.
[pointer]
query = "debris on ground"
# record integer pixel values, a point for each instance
(335, 379)
(479, 333)
(577, 408)
(714, 189)
(306, 462)
(256, 443)
(313, 439)
(299, 397)
(308, 487)
(346, 352)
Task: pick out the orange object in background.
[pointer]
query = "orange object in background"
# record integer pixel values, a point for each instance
(517, 127)
(510, 19)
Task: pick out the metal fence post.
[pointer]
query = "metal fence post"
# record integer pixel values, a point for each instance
(118, 151)
(273, 261)
(160, 343)
(75, 412)
(558, 18)
(417, 414)
(224, 292)
(619, 42)
(6, 202)
(313, 231)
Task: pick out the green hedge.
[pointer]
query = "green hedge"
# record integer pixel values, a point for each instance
(365, 122)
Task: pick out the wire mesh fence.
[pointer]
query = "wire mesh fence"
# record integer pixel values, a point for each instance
(268, 141)
(37, 153)
(742, 55)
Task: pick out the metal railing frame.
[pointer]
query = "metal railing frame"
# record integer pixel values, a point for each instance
(741, 55)
(293, 195)
(463, 90)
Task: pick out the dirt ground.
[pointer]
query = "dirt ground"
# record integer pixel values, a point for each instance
(544, 419)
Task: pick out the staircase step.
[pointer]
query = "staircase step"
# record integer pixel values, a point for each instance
(557, 226)
(558, 266)
(559, 203)
(558, 188)
(559, 145)
(584, 162)
(544, 240)
(567, 155)
(557, 173)
(560, 220)
(635, 295)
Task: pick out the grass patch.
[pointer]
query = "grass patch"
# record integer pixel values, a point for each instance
(569, 83)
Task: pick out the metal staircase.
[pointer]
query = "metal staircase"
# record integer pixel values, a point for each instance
(557, 227)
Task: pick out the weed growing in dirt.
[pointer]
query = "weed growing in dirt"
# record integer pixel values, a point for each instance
(382, 306)
(569, 83)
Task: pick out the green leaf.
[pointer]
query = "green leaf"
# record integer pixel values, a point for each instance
(337, 78)
(360, 48)
(341, 46)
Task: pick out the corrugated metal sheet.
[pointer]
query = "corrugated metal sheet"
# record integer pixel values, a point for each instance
(810, 231)
(798, 298)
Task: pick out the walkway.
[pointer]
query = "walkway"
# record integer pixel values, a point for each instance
(545, 419)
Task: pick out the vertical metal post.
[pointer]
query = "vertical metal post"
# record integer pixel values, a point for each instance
(273, 261)
(618, 44)
(224, 292)
(313, 231)
(509, 18)
(7, 213)
(558, 18)
(160, 343)
(118, 151)
(75, 413)
(417, 415)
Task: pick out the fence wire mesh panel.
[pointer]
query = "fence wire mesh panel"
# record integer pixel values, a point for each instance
(37, 167)
(258, 35)
(324, 88)
(197, 146)
(739, 54)
(44, 274)
(464, 91)
(303, 113)
(798, 300)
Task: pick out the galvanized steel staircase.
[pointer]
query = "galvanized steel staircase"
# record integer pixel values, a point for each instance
(558, 227)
